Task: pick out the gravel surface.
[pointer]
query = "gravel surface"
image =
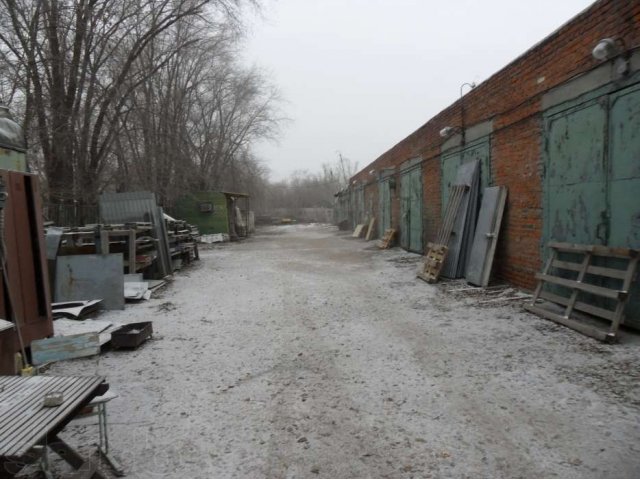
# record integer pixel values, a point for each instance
(303, 352)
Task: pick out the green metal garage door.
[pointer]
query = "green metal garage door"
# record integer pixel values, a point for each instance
(411, 209)
(384, 206)
(450, 161)
(592, 175)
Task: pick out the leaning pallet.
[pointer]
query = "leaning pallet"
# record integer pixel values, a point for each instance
(586, 290)
(437, 251)
(387, 238)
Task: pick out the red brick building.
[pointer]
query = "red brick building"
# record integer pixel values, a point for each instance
(557, 126)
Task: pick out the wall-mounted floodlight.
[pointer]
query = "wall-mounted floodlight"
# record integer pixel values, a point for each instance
(372, 171)
(605, 49)
(609, 48)
(448, 131)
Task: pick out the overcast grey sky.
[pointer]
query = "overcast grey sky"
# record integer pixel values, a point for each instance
(360, 75)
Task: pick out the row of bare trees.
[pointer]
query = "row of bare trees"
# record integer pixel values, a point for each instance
(305, 189)
(126, 95)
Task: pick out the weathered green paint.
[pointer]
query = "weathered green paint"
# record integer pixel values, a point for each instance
(450, 161)
(12, 160)
(358, 207)
(384, 206)
(411, 210)
(575, 174)
(592, 175)
(624, 159)
(55, 349)
(188, 208)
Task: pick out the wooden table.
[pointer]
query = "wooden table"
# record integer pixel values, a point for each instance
(25, 423)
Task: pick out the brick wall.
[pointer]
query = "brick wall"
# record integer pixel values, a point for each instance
(512, 99)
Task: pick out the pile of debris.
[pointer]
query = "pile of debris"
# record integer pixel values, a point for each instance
(89, 262)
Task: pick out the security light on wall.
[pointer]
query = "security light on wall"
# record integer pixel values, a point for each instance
(448, 131)
(605, 49)
(609, 48)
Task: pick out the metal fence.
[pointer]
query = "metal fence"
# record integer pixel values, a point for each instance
(71, 214)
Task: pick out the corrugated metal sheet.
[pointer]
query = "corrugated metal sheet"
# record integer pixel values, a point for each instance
(127, 207)
(139, 207)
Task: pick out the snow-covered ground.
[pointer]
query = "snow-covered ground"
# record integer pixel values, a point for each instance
(302, 352)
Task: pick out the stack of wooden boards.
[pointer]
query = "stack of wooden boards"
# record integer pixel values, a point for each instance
(588, 278)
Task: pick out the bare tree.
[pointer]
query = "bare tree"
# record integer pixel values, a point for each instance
(79, 61)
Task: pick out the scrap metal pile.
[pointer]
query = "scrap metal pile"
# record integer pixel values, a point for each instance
(126, 257)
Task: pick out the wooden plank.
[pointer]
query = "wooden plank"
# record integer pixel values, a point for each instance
(585, 287)
(581, 306)
(370, 230)
(574, 295)
(599, 250)
(626, 284)
(64, 348)
(357, 232)
(545, 270)
(573, 324)
(592, 270)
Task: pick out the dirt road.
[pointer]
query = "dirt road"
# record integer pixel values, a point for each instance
(305, 353)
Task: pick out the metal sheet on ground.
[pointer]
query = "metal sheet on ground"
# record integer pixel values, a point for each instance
(75, 309)
(91, 276)
(486, 236)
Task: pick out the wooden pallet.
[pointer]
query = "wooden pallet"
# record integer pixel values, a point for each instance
(578, 285)
(437, 251)
(387, 238)
(433, 262)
